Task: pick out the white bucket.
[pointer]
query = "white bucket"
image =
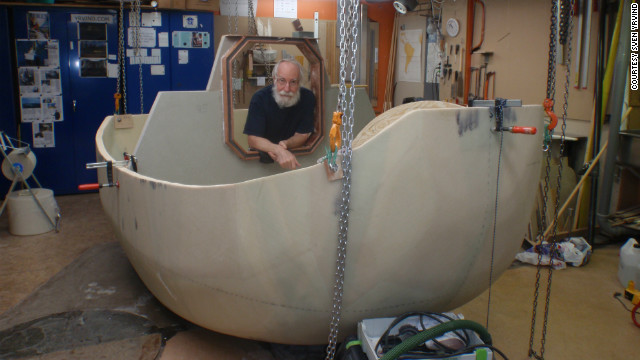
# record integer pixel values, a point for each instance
(629, 268)
(26, 217)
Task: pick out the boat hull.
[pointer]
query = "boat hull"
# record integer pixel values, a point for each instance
(256, 258)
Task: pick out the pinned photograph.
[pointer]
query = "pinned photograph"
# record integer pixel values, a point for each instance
(92, 31)
(32, 52)
(93, 49)
(43, 135)
(50, 81)
(38, 25)
(30, 109)
(51, 108)
(93, 68)
(28, 80)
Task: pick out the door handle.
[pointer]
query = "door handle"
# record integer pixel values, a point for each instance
(74, 105)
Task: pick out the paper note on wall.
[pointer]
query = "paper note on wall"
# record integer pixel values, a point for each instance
(183, 56)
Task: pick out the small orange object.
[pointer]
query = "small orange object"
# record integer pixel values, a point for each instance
(117, 97)
(548, 104)
(335, 139)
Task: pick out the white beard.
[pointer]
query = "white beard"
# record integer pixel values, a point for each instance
(283, 100)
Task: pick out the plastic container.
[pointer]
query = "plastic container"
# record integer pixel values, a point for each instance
(26, 217)
(629, 268)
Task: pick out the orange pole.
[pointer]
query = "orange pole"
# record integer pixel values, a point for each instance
(468, 46)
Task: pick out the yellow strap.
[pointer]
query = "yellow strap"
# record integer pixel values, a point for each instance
(335, 139)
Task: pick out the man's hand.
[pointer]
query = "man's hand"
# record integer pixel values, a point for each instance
(284, 157)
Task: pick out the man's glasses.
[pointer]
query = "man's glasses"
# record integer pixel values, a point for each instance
(283, 82)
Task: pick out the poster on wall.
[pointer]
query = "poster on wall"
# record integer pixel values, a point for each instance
(409, 56)
(29, 81)
(38, 26)
(93, 68)
(30, 108)
(37, 53)
(92, 49)
(50, 81)
(285, 9)
(92, 31)
(51, 108)
(147, 36)
(43, 135)
(190, 39)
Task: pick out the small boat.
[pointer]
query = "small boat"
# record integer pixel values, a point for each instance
(248, 249)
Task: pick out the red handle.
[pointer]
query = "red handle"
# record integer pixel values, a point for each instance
(524, 130)
(85, 187)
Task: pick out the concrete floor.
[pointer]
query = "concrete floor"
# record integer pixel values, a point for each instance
(73, 295)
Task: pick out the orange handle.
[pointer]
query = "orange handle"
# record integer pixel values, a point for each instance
(548, 104)
(335, 139)
(524, 130)
(85, 187)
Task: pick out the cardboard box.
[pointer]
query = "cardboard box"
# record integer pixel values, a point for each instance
(171, 4)
(204, 5)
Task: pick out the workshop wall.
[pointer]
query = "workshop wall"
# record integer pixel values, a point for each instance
(517, 32)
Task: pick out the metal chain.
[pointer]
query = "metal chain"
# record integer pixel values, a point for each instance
(236, 19)
(553, 250)
(120, 47)
(229, 22)
(499, 113)
(137, 14)
(347, 22)
(551, 73)
(253, 28)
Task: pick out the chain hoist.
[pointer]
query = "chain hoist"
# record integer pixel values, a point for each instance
(567, 38)
(122, 61)
(118, 95)
(348, 49)
(137, 14)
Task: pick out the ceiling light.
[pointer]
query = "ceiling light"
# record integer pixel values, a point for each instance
(404, 6)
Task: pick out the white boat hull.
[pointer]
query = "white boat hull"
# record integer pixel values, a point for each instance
(255, 256)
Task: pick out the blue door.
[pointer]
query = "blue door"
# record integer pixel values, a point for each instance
(86, 88)
(93, 49)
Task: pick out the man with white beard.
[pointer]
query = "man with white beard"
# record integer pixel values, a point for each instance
(280, 116)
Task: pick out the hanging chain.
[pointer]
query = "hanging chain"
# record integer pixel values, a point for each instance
(121, 53)
(349, 20)
(553, 250)
(229, 22)
(236, 19)
(499, 106)
(137, 14)
(551, 71)
(253, 28)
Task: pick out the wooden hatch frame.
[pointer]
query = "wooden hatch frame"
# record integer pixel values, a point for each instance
(309, 48)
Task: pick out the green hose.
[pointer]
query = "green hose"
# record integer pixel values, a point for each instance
(435, 332)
